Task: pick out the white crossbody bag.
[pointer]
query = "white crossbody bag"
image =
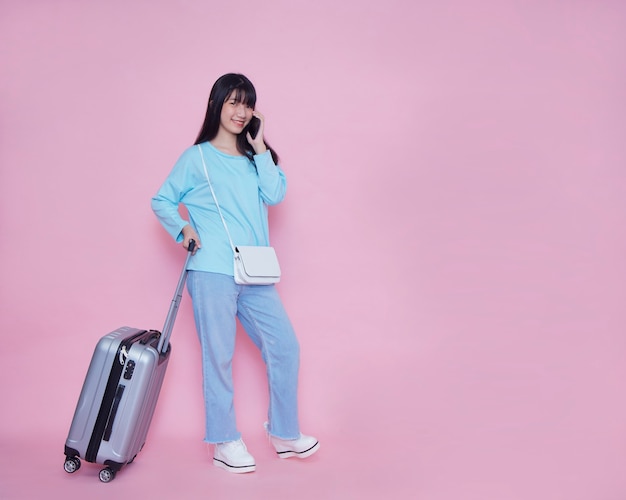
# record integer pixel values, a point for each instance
(253, 265)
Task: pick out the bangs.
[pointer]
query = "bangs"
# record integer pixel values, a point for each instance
(243, 95)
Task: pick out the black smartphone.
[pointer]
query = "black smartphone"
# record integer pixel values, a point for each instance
(253, 126)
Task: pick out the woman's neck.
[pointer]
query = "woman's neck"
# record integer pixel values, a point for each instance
(226, 143)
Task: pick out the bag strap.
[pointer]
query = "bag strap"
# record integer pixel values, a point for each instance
(206, 174)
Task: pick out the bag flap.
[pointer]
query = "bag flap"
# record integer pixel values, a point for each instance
(258, 261)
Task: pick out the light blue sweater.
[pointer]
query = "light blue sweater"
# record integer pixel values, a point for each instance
(243, 192)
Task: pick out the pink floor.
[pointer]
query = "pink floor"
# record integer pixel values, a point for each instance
(427, 467)
(179, 468)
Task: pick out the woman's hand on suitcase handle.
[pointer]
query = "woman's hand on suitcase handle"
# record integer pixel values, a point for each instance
(190, 234)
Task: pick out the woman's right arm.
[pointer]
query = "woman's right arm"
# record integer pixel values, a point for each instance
(165, 204)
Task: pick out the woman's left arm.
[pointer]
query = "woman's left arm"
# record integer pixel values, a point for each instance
(272, 180)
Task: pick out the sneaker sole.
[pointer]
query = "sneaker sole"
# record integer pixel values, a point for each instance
(236, 469)
(299, 454)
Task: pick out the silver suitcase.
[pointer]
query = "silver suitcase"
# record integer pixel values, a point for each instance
(120, 393)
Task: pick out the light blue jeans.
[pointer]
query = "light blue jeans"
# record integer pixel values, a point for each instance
(217, 302)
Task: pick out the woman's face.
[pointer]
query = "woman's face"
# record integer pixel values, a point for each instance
(235, 114)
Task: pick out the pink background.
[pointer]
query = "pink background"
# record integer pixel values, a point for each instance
(452, 241)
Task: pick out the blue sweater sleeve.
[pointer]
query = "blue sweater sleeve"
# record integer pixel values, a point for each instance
(272, 180)
(165, 203)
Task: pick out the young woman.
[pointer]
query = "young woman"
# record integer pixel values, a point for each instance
(246, 179)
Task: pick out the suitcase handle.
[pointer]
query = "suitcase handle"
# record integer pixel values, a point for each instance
(192, 245)
(178, 295)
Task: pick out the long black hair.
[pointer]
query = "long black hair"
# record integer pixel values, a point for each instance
(222, 89)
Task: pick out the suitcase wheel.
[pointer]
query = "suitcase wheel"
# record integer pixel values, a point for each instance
(72, 464)
(107, 475)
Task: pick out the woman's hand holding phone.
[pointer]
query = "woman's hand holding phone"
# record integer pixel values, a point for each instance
(255, 133)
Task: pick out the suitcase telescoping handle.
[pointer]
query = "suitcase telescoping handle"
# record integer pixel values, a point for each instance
(178, 295)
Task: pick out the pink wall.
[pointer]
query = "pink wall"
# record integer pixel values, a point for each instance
(452, 242)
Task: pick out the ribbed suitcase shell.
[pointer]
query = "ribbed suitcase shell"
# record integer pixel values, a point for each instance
(118, 398)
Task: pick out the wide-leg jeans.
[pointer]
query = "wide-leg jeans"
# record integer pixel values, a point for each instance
(217, 302)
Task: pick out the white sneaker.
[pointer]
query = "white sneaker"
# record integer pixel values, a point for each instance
(302, 447)
(234, 457)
